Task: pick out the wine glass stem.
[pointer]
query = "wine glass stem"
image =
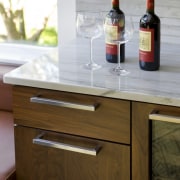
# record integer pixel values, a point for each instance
(119, 55)
(91, 51)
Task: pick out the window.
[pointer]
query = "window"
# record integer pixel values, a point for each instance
(29, 21)
(28, 29)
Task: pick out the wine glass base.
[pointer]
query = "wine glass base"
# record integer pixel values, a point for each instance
(119, 71)
(92, 66)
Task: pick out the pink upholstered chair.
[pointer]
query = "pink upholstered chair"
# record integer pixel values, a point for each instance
(7, 153)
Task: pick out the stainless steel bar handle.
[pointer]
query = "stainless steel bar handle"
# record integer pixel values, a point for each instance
(90, 151)
(63, 104)
(162, 117)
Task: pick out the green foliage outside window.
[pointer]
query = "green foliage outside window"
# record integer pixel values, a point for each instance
(13, 17)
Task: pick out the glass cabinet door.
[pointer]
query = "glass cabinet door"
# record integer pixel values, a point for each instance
(165, 146)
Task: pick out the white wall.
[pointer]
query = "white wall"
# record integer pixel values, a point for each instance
(167, 10)
(66, 20)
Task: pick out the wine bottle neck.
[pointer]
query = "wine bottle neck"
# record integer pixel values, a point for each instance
(150, 6)
(115, 4)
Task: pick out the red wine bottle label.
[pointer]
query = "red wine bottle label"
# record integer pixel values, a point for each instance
(112, 33)
(111, 49)
(146, 45)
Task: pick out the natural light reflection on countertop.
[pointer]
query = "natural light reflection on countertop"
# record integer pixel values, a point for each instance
(63, 70)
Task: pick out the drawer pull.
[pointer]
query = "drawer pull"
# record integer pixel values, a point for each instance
(163, 117)
(90, 151)
(63, 104)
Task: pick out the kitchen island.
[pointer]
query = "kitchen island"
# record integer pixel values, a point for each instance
(57, 99)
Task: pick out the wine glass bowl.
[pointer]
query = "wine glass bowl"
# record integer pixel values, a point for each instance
(118, 30)
(90, 25)
(87, 26)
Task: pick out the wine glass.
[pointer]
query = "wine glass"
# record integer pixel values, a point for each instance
(118, 30)
(90, 25)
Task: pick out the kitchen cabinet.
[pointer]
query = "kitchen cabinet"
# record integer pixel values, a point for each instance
(141, 136)
(70, 136)
(99, 109)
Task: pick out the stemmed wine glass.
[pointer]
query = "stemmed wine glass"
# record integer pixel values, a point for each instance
(90, 25)
(119, 31)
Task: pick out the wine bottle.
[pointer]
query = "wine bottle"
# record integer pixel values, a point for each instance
(111, 48)
(149, 45)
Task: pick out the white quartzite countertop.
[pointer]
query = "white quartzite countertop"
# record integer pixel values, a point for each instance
(62, 70)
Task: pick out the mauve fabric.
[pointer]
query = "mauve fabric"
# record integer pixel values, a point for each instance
(7, 152)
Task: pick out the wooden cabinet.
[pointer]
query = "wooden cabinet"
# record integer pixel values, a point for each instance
(70, 136)
(82, 136)
(84, 115)
(41, 162)
(141, 148)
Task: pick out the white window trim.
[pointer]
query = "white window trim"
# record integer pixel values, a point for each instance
(66, 21)
(18, 54)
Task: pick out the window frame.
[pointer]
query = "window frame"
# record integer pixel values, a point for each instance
(18, 50)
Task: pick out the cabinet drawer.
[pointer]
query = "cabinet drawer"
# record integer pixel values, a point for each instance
(112, 161)
(91, 116)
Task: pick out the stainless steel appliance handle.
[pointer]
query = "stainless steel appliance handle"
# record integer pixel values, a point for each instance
(63, 104)
(162, 117)
(90, 151)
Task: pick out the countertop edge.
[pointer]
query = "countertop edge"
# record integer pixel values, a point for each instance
(103, 92)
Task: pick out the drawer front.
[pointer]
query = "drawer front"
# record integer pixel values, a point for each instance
(63, 157)
(91, 116)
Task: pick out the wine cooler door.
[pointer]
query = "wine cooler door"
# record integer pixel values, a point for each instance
(165, 146)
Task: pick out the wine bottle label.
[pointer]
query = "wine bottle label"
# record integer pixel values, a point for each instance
(112, 33)
(111, 49)
(146, 45)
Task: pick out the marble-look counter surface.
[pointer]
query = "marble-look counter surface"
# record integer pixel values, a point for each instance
(63, 70)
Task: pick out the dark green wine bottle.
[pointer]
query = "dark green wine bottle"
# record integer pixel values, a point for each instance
(149, 45)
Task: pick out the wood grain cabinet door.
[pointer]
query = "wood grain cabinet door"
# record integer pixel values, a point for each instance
(72, 113)
(46, 159)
